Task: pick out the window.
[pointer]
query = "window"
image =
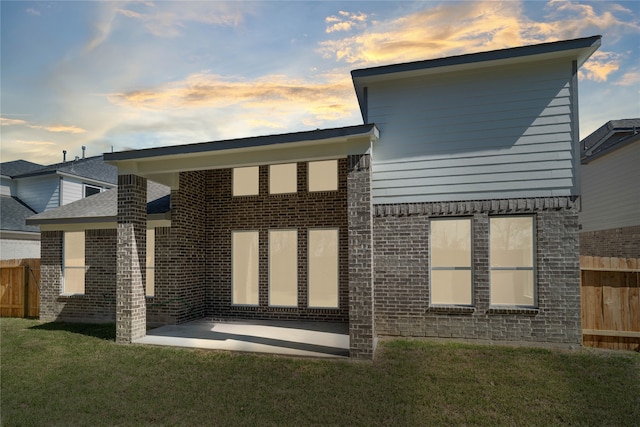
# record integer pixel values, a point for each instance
(511, 261)
(283, 178)
(90, 190)
(245, 181)
(323, 175)
(73, 261)
(323, 268)
(283, 268)
(151, 262)
(450, 241)
(245, 267)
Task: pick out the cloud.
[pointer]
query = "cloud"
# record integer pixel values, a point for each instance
(454, 28)
(32, 11)
(11, 122)
(630, 78)
(169, 19)
(51, 128)
(327, 99)
(599, 66)
(103, 26)
(346, 21)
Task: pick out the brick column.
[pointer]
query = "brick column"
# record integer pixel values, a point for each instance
(362, 337)
(131, 310)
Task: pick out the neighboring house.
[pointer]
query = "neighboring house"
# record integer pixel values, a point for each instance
(610, 174)
(28, 188)
(451, 212)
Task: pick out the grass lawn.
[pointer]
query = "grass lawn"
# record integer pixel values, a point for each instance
(68, 374)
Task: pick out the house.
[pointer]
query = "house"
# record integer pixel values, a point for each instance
(451, 212)
(609, 218)
(28, 188)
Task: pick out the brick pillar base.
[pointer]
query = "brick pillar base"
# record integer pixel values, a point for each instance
(362, 340)
(131, 313)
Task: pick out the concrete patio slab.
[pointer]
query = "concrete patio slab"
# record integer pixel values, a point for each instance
(293, 338)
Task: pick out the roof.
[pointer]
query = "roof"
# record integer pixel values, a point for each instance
(103, 207)
(91, 167)
(580, 49)
(13, 214)
(251, 142)
(611, 136)
(18, 167)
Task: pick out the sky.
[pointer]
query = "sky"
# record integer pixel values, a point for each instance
(140, 74)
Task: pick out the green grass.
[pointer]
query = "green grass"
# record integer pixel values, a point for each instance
(68, 374)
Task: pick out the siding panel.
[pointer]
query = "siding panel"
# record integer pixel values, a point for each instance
(462, 136)
(611, 190)
(40, 194)
(72, 190)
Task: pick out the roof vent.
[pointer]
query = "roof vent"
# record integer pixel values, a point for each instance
(83, 148)
(64, 156)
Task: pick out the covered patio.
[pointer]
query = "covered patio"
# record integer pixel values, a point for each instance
(291, 338)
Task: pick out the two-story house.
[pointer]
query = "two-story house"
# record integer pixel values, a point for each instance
(451, 212)
(28, 188)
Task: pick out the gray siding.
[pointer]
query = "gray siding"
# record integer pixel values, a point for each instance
(7, 187)
(495, 133)
(40, 194)
(611, 190)
(72, 190)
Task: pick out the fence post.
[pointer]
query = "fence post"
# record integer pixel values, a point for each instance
(26, 292)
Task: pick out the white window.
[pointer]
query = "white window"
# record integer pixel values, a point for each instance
(283, 178)
(73, 262)
(90, 190)
(283, 268)
(245, 181)
(151, 262)
(511, 241)
(323, 175)
(245, 267)
(450, 241)
(323, 268)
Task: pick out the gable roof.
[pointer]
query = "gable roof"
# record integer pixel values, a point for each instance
(611, 136)
(579, 49)
(18, 167)
(90, 167)
(103, 207)
(13, 214)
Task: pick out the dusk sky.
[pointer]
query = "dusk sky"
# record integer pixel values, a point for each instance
(142, 74)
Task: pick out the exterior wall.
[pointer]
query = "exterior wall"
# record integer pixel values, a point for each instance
(610, 190)
(19, 249)
(180, 280)
(97, 305)
(7, 187)
(501, 132)
(362, 333)
(401, 271)
(40, 194)
(621, 242)
(72, 190)
(300, 211)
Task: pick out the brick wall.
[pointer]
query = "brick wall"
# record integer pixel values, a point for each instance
(97, 305)
(401, 272)
(301, 211)
(614, 242)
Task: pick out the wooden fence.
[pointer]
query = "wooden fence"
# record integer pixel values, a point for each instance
(610, 302)
(19, 288)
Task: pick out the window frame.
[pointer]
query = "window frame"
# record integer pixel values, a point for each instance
(65, 267)
(233, 284)
(93, 187)
(337, 176)
(150, 267)
(533, 268)
(470, 269)
(234, 178)
(269, 267)
(294, 178)
(309, 231)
